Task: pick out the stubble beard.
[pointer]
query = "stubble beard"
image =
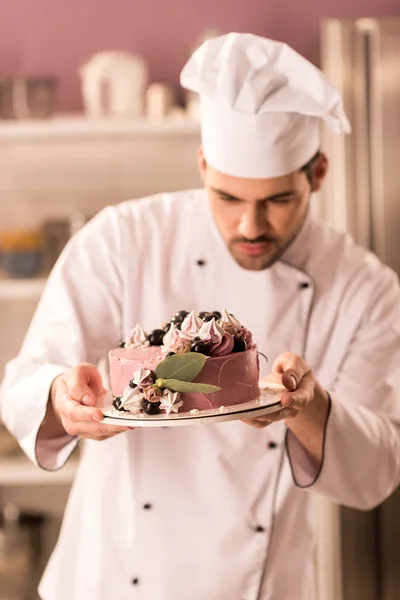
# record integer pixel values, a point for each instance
(255, 263)
(265, 261)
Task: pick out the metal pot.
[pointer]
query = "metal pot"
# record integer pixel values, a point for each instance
(27, 97)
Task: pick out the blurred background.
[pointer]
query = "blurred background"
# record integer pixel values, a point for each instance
(91, 113)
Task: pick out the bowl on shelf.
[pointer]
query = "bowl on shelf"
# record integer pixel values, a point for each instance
(21, 253)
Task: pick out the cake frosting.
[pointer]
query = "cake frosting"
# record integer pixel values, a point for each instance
(210, 360)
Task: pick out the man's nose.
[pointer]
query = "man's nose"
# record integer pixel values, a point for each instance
(253, 223)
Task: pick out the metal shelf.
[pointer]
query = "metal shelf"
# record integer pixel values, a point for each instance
(78, 126)
(19, 471)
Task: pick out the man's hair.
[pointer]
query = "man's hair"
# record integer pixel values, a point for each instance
(308, 168)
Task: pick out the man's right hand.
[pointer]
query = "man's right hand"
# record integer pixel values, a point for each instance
(75, 399)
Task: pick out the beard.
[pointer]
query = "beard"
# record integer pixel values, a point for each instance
(274, 248)
(260, 262)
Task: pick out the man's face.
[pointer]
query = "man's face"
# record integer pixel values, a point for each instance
(258, 218)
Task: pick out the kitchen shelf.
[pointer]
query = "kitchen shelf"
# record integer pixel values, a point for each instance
(21, 289)
(78, 126)
(19, 471)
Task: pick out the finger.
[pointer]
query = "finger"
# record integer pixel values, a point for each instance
(291, 379)
(261, 422)
(302, 395)
(280, 415)
(256, 423)
(284, 413)
(94, 378)
(76, 412)
(104, 437)
(84, 384)
(93, 431)
(298, 399)
(292, 368)
(105, 433)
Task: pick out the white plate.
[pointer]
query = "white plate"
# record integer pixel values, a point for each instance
(267, 403)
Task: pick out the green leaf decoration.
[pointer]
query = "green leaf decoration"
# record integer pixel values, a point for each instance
(185, 387)
(184, 367)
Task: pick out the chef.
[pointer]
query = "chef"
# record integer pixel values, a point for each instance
(224, 511)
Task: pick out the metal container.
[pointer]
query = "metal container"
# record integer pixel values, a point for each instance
(27, 97)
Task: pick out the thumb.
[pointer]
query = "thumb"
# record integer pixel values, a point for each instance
(292, 369)
(290, 379)
(84, 384)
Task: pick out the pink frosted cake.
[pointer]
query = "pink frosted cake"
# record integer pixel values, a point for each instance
(198, 361)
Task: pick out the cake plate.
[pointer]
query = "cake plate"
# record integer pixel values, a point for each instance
(268, 402)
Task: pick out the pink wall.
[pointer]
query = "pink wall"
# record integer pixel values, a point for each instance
(55, 36)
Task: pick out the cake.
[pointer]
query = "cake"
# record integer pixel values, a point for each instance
(195, 362)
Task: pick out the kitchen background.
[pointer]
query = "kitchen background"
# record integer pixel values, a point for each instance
(77, 133)
(47, 36)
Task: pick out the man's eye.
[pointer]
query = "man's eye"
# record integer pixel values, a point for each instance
(281, 201)
(229, 199)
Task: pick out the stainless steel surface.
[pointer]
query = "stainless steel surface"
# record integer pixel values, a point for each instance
(384, 42)
(337, 41)
(362, 196)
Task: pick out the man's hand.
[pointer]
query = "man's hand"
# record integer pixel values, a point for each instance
(297, 377)
(74, 404)
(305, 404)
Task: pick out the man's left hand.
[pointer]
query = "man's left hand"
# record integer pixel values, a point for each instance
(297, 377)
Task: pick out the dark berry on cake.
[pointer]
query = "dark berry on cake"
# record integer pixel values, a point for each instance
(170, 354)
(117, 402)
(200, 346)
(132, 384)
(177, 321)
(239, 345)
(167, 327)
(217, 315)
(156, 337)
(208, 317)
(122, 344)
(151, 408)
(182, 314)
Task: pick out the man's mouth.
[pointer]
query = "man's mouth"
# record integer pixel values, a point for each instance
(254, 248)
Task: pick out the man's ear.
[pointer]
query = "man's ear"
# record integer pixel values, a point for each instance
(319, 172)
(201, 163)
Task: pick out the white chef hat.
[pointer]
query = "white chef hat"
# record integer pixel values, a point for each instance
(261, 105)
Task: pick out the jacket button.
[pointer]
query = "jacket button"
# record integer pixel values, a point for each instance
(135, 581)
(147, 506)
(272, 445)
(260, 529)
(304, 285)
(200, 262)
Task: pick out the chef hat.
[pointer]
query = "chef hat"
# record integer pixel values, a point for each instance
(261, 105)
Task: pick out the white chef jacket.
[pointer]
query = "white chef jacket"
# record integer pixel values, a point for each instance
(224, 511)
